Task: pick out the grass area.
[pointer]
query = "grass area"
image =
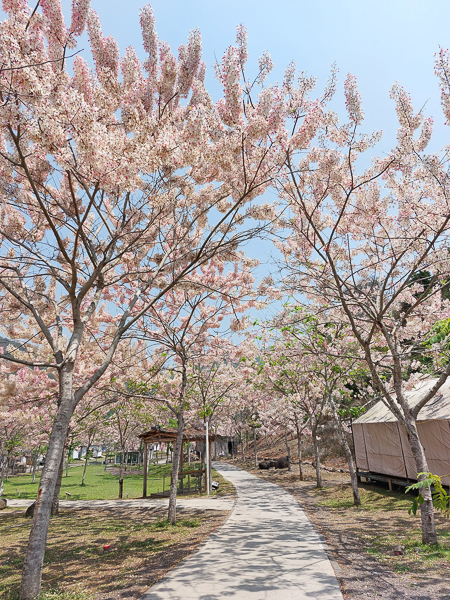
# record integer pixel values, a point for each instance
(143, 547)
(336, 496)
(104, 485)
(63, 595)
(418, 557)
(391, 525)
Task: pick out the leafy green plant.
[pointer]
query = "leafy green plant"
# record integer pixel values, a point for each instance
(351, 412)
(441, 500)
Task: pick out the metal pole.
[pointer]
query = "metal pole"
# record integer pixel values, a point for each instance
(207, 459)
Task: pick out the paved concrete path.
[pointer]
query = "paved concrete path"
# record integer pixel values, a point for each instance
(266, 550)
(211, 503)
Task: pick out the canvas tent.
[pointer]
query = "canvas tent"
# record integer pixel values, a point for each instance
(381, 443)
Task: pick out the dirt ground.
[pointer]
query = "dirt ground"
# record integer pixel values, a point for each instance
(143, 548)
(361, 540)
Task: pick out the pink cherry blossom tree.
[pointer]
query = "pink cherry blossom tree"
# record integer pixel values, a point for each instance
(368, 246)
(215, 390)
(333, 359)
(116, 183)
(300, 403)
(27, 408)
(183, 328)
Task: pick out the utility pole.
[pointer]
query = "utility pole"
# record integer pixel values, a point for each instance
(207, 458)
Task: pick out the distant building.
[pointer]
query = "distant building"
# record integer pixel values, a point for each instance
(223, 445)
(96, 449)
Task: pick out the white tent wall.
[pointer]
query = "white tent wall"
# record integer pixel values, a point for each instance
(384, 448)
(435, 437)
(362, 461)
(381, 443)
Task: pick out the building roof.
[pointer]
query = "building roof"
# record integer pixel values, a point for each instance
(169, 434)
(438, 408)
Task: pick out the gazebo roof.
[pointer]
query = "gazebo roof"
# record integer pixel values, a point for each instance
(169, 434)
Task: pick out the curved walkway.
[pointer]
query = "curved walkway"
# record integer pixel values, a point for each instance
(266, 550)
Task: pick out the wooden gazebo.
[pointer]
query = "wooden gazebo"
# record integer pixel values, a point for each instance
(157, 435)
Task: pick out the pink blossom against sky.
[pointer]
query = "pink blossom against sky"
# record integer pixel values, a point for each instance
(378, 42)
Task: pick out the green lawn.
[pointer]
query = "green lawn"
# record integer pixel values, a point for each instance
(418, 557)
(372, 498)
(102, 485)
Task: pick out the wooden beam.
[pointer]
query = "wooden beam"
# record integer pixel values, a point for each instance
(144, 491)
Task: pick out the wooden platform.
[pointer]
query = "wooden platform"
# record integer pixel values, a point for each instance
(390, 480)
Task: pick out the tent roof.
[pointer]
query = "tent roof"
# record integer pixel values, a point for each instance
(438, 408)
(169, 434)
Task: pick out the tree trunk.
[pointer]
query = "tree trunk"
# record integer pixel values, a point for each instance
(348, 454)
(210, 464)
(317, 456)
(55, 502)
(254, 446)
(300, 458)
(2, 477)
(288, 449)
(35, 459)
(177, 450)
(121, 463)
(86, 462)
(172, 514)
(299, 449)
(243, 447)
(69, 446)
(122, 453)
(34, 557)
(429, 535)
